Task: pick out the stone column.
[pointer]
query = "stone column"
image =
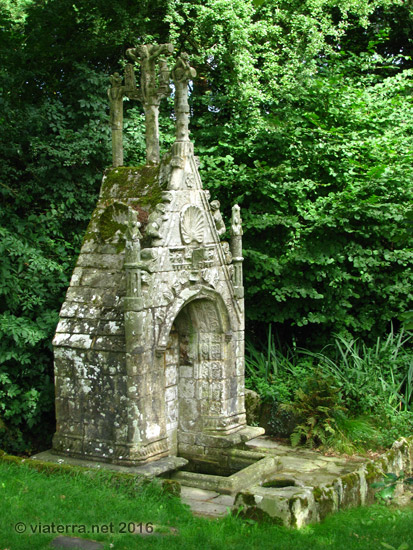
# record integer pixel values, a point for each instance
(151, 133)
(181, 75)
(115, 93)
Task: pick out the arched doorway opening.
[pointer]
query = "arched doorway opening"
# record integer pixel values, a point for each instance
(201, 388)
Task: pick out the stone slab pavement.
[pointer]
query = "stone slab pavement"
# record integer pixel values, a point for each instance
(206, 503)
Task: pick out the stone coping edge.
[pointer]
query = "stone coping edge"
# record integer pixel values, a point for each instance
(298, 506)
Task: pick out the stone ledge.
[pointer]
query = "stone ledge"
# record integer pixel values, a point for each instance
(151, 469)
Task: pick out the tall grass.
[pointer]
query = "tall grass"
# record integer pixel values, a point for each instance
(371, 376)
(275, 371)
(375, 383)
(270, 362)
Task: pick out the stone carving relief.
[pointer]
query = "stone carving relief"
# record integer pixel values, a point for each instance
(155, 221)
(149, 259)
(190, 180)
(207, 317)
(210, 276)
(177, 258)
(227, 252)
(192, 225)
(210, 349)
(216, 214)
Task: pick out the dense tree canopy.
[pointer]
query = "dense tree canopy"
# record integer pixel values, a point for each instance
(302, 113)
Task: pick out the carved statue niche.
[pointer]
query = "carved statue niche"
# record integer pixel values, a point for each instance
(182, 73)
(216, 214)
(154, 85)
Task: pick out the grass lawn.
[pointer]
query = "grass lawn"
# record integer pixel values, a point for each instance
(38, 500)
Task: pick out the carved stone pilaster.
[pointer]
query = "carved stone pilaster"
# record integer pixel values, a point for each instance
(133, 298)
(236, 251)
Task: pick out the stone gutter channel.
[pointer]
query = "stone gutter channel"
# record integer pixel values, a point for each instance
(291, 487)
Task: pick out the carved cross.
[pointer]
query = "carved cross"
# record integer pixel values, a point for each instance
(154, 85)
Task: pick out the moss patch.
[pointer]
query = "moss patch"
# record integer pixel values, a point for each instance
(256, 514)
(113, 220)
(141, 183)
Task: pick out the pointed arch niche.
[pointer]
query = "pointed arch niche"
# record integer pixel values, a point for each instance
(203, 394)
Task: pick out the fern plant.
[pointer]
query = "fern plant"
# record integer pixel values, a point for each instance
(316, 406)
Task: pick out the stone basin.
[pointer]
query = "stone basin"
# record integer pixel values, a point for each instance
(248, 468)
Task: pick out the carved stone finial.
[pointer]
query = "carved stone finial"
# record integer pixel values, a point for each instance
(181, 75)
(236, 250)
(236, 222)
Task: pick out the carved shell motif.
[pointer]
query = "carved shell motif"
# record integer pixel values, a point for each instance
(192, 225)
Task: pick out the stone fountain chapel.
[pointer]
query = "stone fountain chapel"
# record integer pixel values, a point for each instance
(149, 349)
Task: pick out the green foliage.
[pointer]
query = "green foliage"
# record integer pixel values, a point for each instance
(49, 181)
(388, 485)
(305, 135)
(302, 114)
(373, 384)
(353, 435)
(392, 425)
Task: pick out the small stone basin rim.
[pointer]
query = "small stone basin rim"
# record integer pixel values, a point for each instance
(260, 471)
